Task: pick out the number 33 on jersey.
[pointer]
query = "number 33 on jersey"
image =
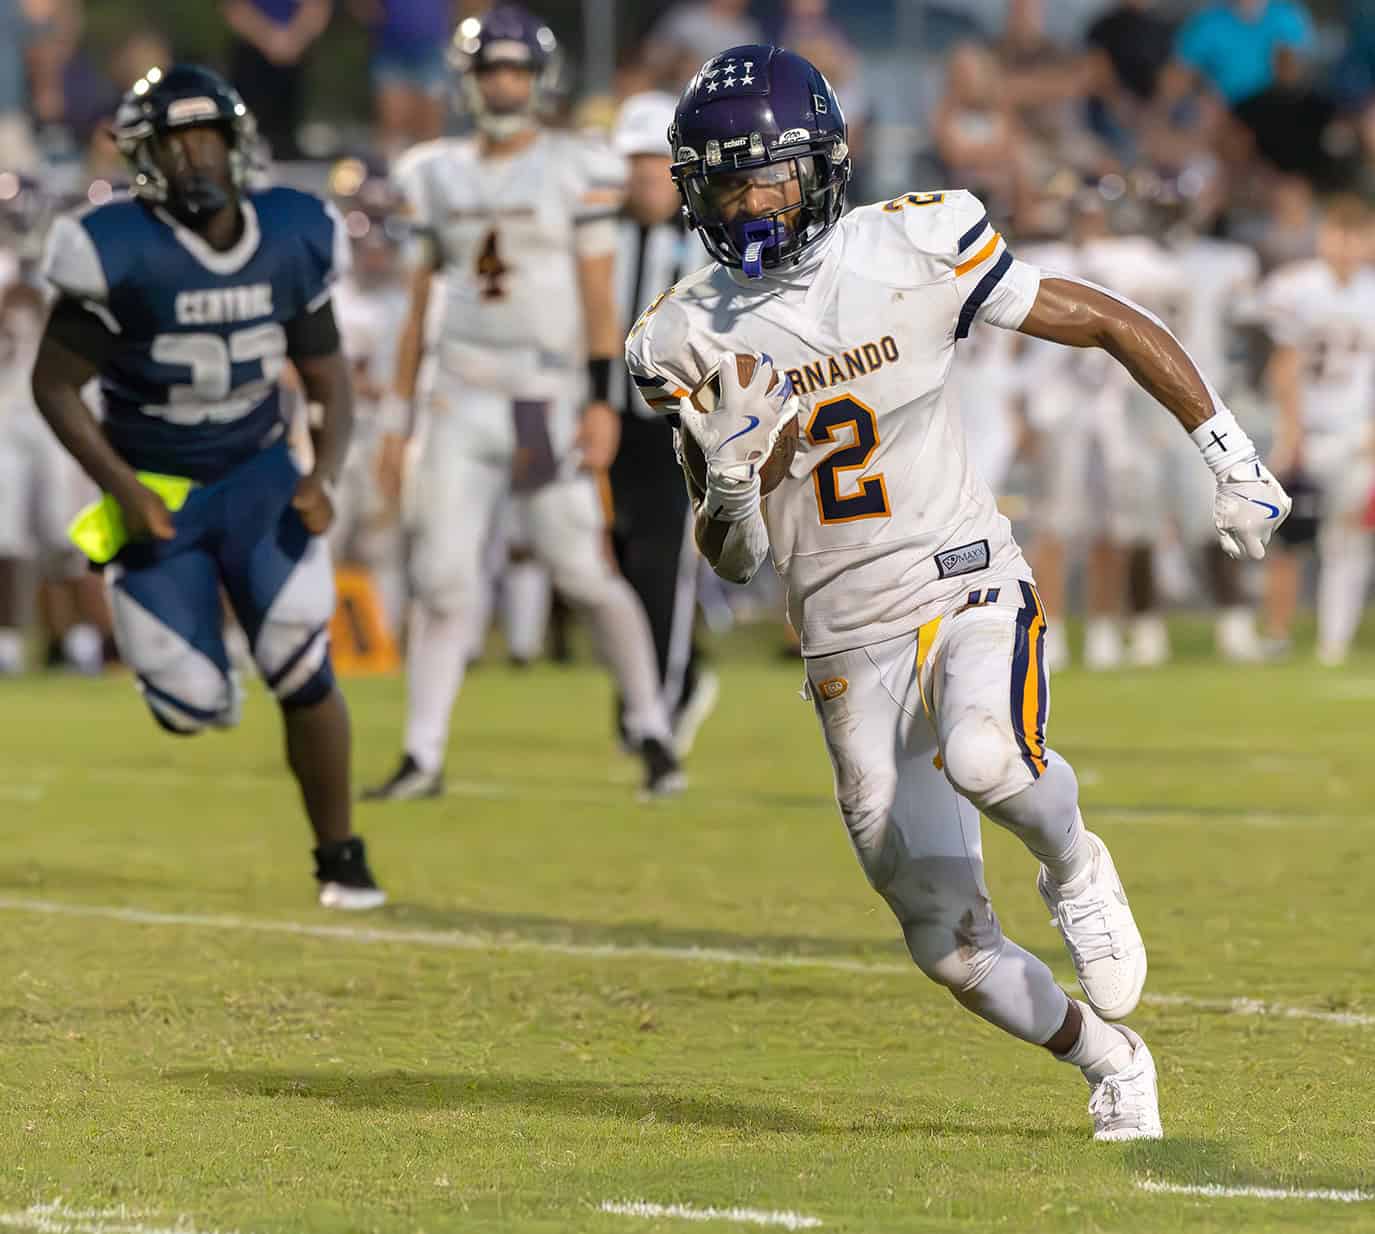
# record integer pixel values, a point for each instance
(198, 337)
(881, 520)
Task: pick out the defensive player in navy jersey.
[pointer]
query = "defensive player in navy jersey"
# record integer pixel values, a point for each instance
(188, 299)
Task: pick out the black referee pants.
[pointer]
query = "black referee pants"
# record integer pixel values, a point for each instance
(652, 536)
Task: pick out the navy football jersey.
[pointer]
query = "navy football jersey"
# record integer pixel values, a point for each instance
(192, 387)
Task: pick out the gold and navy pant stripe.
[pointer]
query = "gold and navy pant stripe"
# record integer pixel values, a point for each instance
(1030, 691)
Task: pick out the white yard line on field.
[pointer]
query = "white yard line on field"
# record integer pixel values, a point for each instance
(57, 1218)
(32, 784)
(1216, 1191)
(460, 940)
(686, 1212)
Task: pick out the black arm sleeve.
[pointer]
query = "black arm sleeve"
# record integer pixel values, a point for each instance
(313, 334)
(80, 331)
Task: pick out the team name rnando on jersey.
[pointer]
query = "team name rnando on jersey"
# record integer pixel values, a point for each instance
(217, 305)
(845, 366)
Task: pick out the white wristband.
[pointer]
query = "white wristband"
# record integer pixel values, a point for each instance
(730, 500)
(1223, 442)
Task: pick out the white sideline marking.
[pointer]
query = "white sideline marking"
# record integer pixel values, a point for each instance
(33, 783)
(1216, 1191)
(460, 940)
(57, 1218)
(685, 1212)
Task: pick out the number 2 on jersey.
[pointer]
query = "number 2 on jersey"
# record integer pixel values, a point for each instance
(870, 498)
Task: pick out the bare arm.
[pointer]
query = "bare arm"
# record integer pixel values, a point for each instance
(1282, 377)
(599, 435)
(326, 382)
(1077, 315)
(410, 347)
(58, 375)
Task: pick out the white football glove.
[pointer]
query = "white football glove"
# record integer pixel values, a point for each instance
(739, 435)
(1249, 507)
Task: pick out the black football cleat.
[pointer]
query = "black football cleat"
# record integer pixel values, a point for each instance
(407, 783)
(345, 881)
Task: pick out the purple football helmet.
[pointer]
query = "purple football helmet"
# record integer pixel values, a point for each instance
(759, 114)
(508, 35)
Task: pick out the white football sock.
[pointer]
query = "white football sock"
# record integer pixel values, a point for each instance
(435, 660)
(1046, 818)
(1019, 995)
(619, 625)
(1102, 643)
(526, 592)
(11, 652)
(1101, 1050)
(1343, 573)
(82, 649)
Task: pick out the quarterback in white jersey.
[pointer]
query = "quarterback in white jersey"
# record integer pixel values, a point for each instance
(919, 620)
(520, 223)
(1320, 315)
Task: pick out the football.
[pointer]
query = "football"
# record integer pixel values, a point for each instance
(706, 396)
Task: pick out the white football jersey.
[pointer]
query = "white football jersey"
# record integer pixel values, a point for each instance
(506, 235)
(370, 321)
(1332, 323)
(881, 524)
(1219, 276)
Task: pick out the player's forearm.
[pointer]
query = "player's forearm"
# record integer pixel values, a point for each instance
(410, 351)
(326, 382)
(1080, 315)
(1282, 377)
(735, 551)
(602, 329)
(72, 423)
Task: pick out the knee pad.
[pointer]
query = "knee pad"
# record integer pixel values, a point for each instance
(982, 759)
(1044, 814)
(315, 690)
(953, 936)
(188, 697)
(292, 658)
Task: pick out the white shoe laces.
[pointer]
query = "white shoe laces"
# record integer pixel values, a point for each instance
(1117, 1097)
(1087, 925)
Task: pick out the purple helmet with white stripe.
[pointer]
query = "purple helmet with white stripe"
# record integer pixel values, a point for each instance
(758, 116)
(511, 36)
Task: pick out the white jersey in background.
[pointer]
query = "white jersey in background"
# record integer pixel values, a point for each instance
(882, 521)
(1332, 323)
(507, 234)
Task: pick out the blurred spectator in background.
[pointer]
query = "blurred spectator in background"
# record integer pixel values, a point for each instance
(409, 77)
(1229, 47)
(19, 21)
(1136, 43)
(267, 62)
(809, 30)
(977, 134)
(693, 31)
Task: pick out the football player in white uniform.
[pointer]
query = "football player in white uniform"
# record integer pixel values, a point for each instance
(520, 222)
(1321, 316)
(370, 304)
(919, 620)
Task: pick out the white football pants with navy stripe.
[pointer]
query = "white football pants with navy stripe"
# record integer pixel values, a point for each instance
(924, 730)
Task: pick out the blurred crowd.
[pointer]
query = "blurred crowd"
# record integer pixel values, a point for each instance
(1223, 123)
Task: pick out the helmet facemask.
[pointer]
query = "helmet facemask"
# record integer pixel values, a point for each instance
(713, 203)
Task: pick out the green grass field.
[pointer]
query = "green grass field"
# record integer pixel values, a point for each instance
(575, 1000)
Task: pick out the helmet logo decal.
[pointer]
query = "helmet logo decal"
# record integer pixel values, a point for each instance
(819, 105)
(188, 111)
(730, 72)
(792, 135)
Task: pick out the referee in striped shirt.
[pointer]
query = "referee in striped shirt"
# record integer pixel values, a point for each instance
(652, 529)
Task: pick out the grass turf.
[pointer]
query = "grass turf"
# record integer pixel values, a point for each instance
(537, 1030)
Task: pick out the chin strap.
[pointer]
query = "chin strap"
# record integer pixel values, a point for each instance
(760, 235)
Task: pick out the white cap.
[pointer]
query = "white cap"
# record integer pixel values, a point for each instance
(642, 125)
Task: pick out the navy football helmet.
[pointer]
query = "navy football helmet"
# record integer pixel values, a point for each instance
(765, 114)
(184, 96)
(508, 35)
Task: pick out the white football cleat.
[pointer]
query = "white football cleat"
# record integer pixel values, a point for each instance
(1102, 645)
(1126, 1105)
(1100, 933)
